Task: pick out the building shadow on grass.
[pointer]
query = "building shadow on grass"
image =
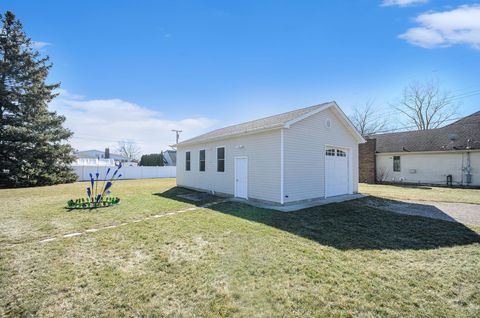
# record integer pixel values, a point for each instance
(408, 185)
(350, 225)
(186, 196)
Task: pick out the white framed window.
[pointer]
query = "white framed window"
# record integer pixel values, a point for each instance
(201, 160)
(330, 152)
(396, 163)
(187, 161)
(220, 159)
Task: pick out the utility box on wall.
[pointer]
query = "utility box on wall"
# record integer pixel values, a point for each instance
(468, 178)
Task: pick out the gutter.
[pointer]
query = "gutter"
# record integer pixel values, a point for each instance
(246, 133)
(425, 152)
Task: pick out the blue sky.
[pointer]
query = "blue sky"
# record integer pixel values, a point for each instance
(133, 70)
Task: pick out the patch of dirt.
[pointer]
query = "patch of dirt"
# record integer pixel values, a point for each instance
(136, 259)
(15, 231)
(181, 250)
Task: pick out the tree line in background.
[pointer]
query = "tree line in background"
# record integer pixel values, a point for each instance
(422, 106)
(128, 149)
(132, 151)
(154, 159)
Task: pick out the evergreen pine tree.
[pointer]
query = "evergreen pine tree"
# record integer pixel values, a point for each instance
(154, 159)
(33, 148)
(161, 160)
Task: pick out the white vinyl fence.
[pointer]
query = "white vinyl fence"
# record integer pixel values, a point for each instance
(128, 172)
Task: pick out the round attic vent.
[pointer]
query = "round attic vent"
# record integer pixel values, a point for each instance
(328, 123)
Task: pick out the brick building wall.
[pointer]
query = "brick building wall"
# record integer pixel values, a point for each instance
(367, 162)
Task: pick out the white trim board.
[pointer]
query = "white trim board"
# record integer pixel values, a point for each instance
(282, 168)
(339, 111)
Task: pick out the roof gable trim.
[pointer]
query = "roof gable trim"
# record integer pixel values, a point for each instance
(339, 111)
(232, 136)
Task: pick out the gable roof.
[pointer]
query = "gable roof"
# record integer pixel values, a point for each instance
(460, 135)
(283, 120)
(172, 154)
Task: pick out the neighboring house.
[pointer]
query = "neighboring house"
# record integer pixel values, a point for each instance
(170, 157)
(425, 156)
(98, 158)
(305, 154)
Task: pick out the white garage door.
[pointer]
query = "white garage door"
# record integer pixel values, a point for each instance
(336, 171)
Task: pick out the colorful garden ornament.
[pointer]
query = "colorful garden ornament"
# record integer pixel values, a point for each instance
(96, 199)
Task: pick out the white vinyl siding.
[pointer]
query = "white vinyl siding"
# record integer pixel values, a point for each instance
(304, 158)
(429, 167)
(263, 152)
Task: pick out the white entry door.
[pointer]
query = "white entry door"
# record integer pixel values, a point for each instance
(336, 171)
(241, 177)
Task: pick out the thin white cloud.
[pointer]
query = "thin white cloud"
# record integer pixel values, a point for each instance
(164, 33)
(423, 37)
(66, 95)
(402, 3)
(40, 45)
(441, 29)
(103, 122)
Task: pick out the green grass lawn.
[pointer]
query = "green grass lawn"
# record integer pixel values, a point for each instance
(421, 193)
(40, 212)
(340, 260)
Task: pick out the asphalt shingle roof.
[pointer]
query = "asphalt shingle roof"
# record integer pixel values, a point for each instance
(254, 125)
(462, 134)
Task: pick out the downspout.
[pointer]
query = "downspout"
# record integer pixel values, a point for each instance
(469, 169)
(282, 194)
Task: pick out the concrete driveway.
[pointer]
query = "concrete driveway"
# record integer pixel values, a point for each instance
(455, 212)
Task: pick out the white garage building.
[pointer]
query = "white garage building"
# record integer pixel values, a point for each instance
(306, 154)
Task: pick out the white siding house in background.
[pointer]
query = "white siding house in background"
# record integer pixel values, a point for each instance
(430, 156)
(431, 168)
(98, 158)
(170, 157)
(306, 154)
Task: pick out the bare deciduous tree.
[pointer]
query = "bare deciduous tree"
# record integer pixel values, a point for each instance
(382, 175)
(367, 120)
(128, 149)
(425, 106)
